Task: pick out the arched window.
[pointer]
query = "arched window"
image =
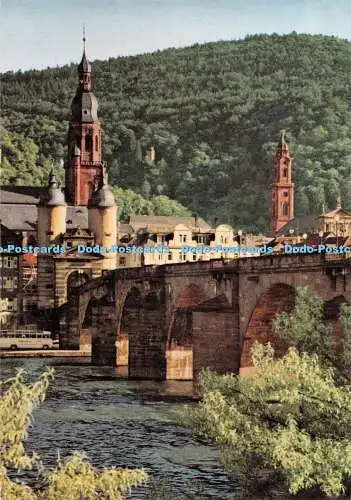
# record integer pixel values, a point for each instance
(285, 209)
(96, 143)
(88, 143)
(76, 279)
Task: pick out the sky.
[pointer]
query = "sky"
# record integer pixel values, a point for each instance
(48, 33)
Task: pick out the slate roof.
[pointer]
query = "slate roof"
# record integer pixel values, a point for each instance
(124, 228)
(78, 215)
(18, 217)
(300, 225)
(28, 195)
(166, 222)
(23, 217)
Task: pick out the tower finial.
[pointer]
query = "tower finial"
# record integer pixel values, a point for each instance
(51, 178)
(282, 138)
(84, 37)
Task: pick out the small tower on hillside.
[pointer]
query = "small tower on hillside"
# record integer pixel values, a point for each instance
(150, 154)
(282, 187)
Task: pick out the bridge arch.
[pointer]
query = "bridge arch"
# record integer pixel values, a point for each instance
(276, 299)
(74, 280)
(180, 324)
(127, 314)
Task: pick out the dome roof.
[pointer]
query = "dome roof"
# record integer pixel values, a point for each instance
(84, 107)
(54, 196)
(103, 198)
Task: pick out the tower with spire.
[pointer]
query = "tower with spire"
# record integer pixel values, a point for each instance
(282, 188)
(84, 170)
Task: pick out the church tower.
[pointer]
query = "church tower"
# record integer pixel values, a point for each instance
(282, 189)
(84, 169)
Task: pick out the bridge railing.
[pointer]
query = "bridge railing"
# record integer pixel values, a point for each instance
(339, 257)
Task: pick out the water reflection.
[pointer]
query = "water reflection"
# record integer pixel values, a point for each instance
(119, 422)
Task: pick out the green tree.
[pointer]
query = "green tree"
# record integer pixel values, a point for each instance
(213, 112)
(306, 330)
(286, 427)
(74, 477)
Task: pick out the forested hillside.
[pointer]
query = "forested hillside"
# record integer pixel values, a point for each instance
(213, 113)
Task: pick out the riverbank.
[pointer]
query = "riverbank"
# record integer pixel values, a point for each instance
(49, 353)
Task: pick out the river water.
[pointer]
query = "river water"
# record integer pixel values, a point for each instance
(123, 423)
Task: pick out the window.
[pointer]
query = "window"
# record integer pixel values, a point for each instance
(12, 305)
(194, 256)
(184, 238)
(8, 283)
(170, 256)
(122, 261)
(285, 173)
(10, 262)
(285, 194)
(88, 143)
(96, 143)
(285, 209)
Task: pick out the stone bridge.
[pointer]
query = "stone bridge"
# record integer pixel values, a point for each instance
(170, 321)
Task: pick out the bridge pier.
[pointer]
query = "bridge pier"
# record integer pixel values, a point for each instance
(215, 337)
(147, 344)
(69, 329)
(103, 339)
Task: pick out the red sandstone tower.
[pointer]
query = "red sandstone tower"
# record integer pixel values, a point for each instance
(84, 170)
(282, 189)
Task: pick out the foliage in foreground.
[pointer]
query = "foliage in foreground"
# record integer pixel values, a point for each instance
(306, 329)
(288, 422)
(286, 426)
(74, 477)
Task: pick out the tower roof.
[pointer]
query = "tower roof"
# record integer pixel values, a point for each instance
(54, 197)
(84, 105)
(102, 198)
(84, 65)
(282, 145)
